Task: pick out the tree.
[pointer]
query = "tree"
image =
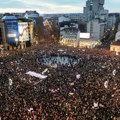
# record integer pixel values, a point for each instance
(39, 28)
(55, 32)
(51, 30)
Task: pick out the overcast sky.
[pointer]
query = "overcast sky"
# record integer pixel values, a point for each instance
(52, 6)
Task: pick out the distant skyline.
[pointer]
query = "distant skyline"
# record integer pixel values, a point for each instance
(52, 6)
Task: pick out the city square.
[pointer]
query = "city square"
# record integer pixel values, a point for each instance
(88, 90)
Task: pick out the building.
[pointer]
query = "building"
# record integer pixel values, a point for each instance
(16, 33)
(31, 14)
(81, 40)
(96, 29)
(88, 43)
(26, 28)
(18, 15)
(115, 46)
(63, 19)
(1, 15)
(76, 17)
(96, 17)
(103, 15)
(112, 19)
(94, 9)
(9, 28)
(69, 36)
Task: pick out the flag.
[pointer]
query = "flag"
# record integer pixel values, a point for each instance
(95, 105)
(10, 82)
(106, 84)
(45, 71)
(78, 76)
(71, 84)
(114, 72)
(71, 93)
(37, 75)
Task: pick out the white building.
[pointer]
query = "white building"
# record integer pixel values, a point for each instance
(31, 14)
(70, 36)
(96, 29)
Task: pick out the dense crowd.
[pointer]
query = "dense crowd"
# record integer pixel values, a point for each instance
(88, 90)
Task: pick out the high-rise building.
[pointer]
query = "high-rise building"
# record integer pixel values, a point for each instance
(96, 29)
(96, 18)
(93, 9)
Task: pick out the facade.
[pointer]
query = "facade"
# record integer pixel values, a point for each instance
(88, 43)
(112, 18)
(96, 29)
(115, 46)
(70, 36)
(103, 15)
(96, 17)
(94, 9)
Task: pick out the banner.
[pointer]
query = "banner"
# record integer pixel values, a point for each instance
(12, 35)
(37, 75)
(23, 31)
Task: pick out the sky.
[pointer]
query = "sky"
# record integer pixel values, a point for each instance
(52, 6)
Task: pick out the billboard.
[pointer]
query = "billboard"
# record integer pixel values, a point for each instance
(85, 35)
(23, 31)
(11, 30)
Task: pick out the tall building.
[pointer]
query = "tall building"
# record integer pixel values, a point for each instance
(112, 19)
(93, 9)
(96, 18)
(96, 29)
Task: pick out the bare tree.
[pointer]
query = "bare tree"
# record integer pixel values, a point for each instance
(39, 28)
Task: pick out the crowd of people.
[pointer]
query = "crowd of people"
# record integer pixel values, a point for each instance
(88, 90)
(59, 60)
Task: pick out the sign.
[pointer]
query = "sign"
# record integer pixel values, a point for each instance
(12, 35)
(23, 31)
(85, 35)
